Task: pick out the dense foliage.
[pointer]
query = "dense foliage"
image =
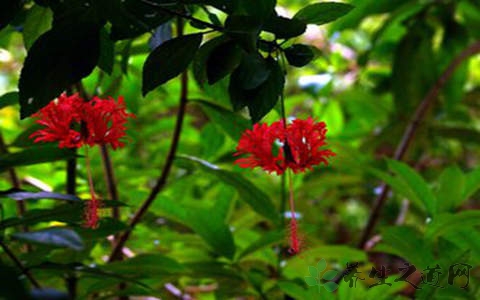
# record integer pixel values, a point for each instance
(391, 214)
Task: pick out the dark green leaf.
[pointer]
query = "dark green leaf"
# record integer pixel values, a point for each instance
(244, 30)
(168, 60)
(38, 21)
(34, 155)
(24, 195)
(252, 72)
(23, 140)
(107, 52)
(268, 239)
(8, 99)
(261, 10)
(261, 99)
(200, 60)
(472, 183)
(49, 69)
(299, 55)
(145, 266)
(323, 12)
(450, 189)
(284, 28)
(233, 124)
(451, 222)
(249, 193)
(223, 60)
(56, 237)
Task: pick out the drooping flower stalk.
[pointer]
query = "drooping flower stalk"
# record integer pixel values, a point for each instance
(295, 243)
(91, 210)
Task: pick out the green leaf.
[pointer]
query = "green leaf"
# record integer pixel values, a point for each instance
(262, 99)
(107, 53)
(418, 186)
(313, 271)
(34, 155)
(323, 12)
(17, 194)
(451, 189)
(209, 224)
(233, 124)
(168, 60)
(200, 61)
(293, 289)
(321, 265)
(252, 71)
(49, 69)
(223, 59)
(248, 192)
(38, 21)
(56, 237)
(408, 243)
(299, 55)
(244, 30)
(8, 99)
(268, 239)
(472, 183)
(311, 281)
(284, 28)
(330, 275)
(446, 222)
(259, 9)
(146, 266)
(330, 286)
(9, 10)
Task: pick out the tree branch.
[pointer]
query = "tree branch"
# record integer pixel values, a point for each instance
(19, 264)
(410, 131)
(162, 179)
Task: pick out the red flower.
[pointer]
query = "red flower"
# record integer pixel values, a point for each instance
(299, 146)
(105, 121)
(59, 118)
(73, 122)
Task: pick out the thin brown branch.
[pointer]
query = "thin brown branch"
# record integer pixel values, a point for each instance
(410, 131)
(110, 179)
(162, 179)
(19, 264)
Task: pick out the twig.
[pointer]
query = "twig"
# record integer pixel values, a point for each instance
(410, 131)
(162, 179)
(19, 264)
(21, 209)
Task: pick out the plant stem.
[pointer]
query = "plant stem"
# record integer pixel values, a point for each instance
(162, 179)
(21, 209)
(19, 264)
(110, 178)
(410, 131)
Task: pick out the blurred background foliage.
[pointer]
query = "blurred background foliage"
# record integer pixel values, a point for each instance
(214, 231)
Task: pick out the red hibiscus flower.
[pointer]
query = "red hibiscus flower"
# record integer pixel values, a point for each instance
(276, 148)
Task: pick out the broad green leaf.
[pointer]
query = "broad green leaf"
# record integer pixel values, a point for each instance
(311, 281)
(23, 140)
(330, 275)
(244, 30)
(38, 21)
(34, 155)
(299, 55)
(451, 185)
(252, 71)
(262, 99)
(49, 69)
(8, 99)
(146, 266)
(200, 61)
(465, 239)
(323, 12)
(208, 224)
(452, 222)
(24, 195)
(293, 289)
(472, 183)
(233, 124)
(168, 60)
(223, 59)
(417, 184)
(107, 53)
(268, 239)
(248, 192)
(284, 28)
(407, 243)
(55, 237)
(258, 9)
